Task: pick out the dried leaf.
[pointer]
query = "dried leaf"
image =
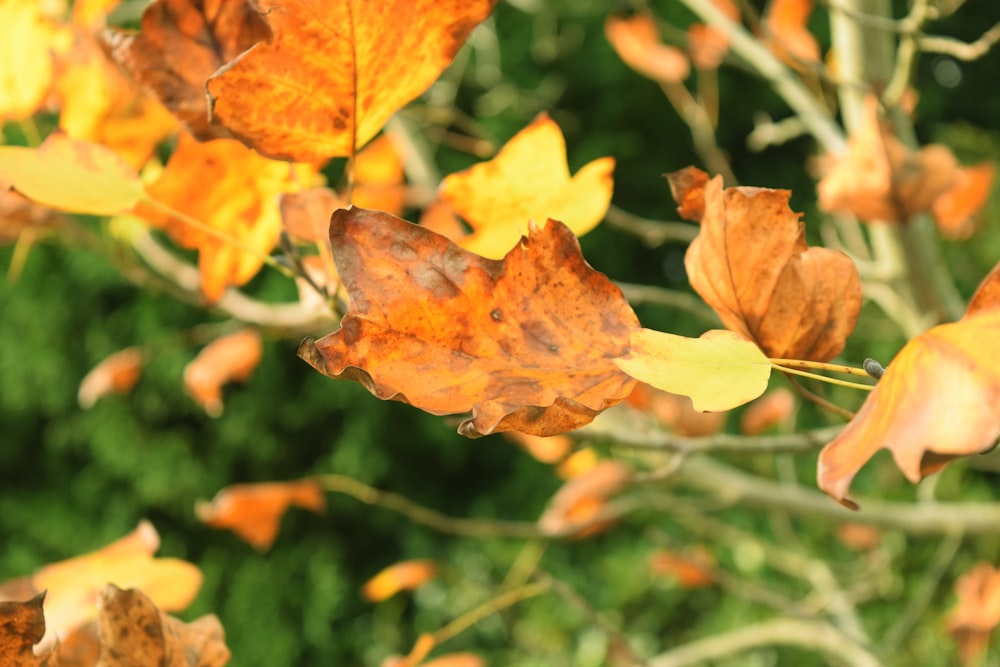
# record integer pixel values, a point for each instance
(254, 511)
(786, 27)
(958, 212)
(770, 410)
(936, 401)
(241, 204)
(575, 507)
(134, 632)
(879, 178)
(527, 180)
(318, 88)
(22, 625)
(526, 343)
(718, 371)
(405, 575)
(750, 263)
(977, 612)
(636, 40)
(117, 373)
(71, 175)
(708, 46)
(27, 38)
(180, 45)
(227, 359)
(688, 189)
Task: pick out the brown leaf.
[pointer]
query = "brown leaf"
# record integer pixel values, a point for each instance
(936, 401)
(879, 178)
(987, 294)
(22, 625)
(750, 263)
(636, 40)
(708, 46)
(254, 511)
(117, 373)
(688, 189)
(526, 343)
(227, 359)
(134, 632)
(319, 88)
(180, 45)
(958, 212)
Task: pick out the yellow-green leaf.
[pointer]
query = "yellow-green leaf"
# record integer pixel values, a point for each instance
(71, 175)
(718, 371)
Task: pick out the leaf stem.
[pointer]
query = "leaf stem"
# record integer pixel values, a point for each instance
(490, 607)
(821, 365)
(822, 378)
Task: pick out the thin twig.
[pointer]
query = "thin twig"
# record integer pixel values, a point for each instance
(651, 232)
(961, 50)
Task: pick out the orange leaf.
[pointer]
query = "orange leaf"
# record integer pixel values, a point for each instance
(750, 263)
(977, 611)
(676, 412)
(879, 178)
(787, 32)
(254, 511)
(936, 401)
(527, 180)
(181, 44)
(578, 463)
(133, 631)
(547, 449)
(22, 625)
(692, 569)
(576, 505)
(306, 215)
(987, 294)
(226, 359)
(958, 211)
(241, 203)
(319, 88)
(27, 39)
(637, 42)
(708, 46)
(770, 410)
(526, 343)
(73, 584)
(405, 575)
(688, 189)
(118, 373)
(378, 177)
(859, 536)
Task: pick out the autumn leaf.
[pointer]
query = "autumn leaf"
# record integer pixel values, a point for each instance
(22, 625)
(636, 40)
(254, 511)
(958, 212)
(987, 295)
(787, 31)
(180, 45)
(547, 449)
(708, 46)
(578, 463)
(688, 189)
(117, 373)
(319, 88)
(133, 631)
(19, 214)
(71, 175)
(527, 180)
(936, 401)
(718, 371)
(770, 410)
(238, 199)
(576, 507)
(27, 39)
(378, 177)
(227, 359)
(405, 575)
(977, 612)
(691, 568)
(675, 412)
(750, 263)
(526, 343)
(879, 178)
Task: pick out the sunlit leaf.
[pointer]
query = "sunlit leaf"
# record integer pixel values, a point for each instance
(636, 40)
(575, 507)
(117, 373)
(958, 212)
(977, 612)
(227, 359)
(405, 575)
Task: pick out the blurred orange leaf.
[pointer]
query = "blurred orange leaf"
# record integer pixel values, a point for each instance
(708, 46)
(526, 343)
(527, 180)
(859, 536)
(772, 409)
(636, 40)
(879, 178)
(180, 45)
(688, 189)
(226, 359)
(406, 575)
(576, 506)
(750, 263)
(958, 212)
(547, 449)
(977, 611)
(675, 411)
(306, 214)
(254, 511)
(692, 569)
(117, 373)
(578, 463)
(378, 177)
(241, 205)
(22, 625)
(786, 26)
(318, 88)
(936, 401)
(987, 294)
(71, 175)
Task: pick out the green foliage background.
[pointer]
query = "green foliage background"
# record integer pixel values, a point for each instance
(73, 480)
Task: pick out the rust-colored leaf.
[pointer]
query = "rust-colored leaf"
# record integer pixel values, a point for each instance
(936, 401)
(133, 631)
(750, 263)
(180, 45)
(879, 178)
(335, 71)
(708, 46)
(406, 575)
(254, 511)
(526, 343)
(987, 294)
(241, 206)
(527, 180)
(227, 359)
(958, 212)
(785, 24)
(576, 506)
(692, 568)
(772, 409)
(636, 40)
(22, 625)
(117, 373)
(306, 215)
(378, 177)
(688, 189)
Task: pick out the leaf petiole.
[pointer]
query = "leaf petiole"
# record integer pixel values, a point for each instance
(821, 365)
(821, 378)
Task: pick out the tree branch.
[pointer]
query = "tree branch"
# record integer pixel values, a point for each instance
(961, 50)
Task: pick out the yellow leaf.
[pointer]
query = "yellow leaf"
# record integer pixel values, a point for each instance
(72, 175)
(718, 371)
(27, 39)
